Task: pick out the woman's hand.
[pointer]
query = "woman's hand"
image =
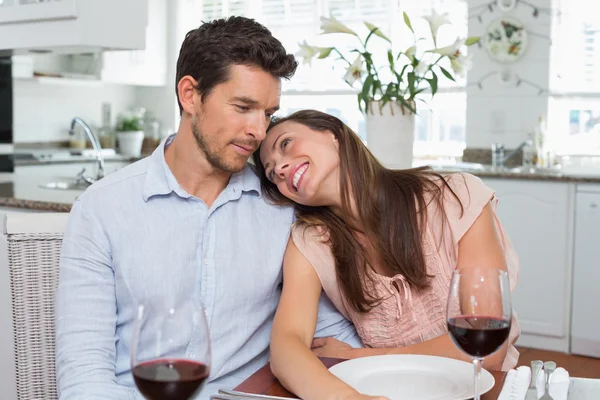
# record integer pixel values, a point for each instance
(330, 347)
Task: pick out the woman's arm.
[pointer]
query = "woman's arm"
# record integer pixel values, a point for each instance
(292, 361)
(480, 247)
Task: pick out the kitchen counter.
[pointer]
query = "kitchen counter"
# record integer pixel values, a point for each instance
(525, 174)
(21, 192)
(26, 160)
(24, 191)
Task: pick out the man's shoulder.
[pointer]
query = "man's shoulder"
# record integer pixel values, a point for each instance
(116, 182)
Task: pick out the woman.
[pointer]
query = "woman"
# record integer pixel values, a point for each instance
(381, 243)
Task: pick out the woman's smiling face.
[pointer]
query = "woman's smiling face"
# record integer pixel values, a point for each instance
(303, 163)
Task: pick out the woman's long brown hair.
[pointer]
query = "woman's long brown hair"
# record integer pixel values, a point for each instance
(391, 207)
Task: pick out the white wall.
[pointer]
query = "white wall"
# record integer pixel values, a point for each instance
(162, 101)
(506, 113)
(43, 111)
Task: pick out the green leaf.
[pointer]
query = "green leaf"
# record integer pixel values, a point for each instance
(375, 30)
(447, 74)
(365, 89)
(406, 104)
(391, 58)
(360, 102)
(411, 83)
(400, 79)
(407, 22)
(376, 87)
(472, 40)
(433, 83)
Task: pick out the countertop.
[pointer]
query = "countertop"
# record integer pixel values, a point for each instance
(23, 191)
(27, 160)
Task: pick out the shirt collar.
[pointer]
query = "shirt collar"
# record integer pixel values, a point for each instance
(161, 181)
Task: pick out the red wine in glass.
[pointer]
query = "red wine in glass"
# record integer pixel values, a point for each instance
(478, 336)
(479, 314)
(169, 379)
(164, 365)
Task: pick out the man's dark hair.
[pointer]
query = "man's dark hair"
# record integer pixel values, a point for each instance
(208, 52)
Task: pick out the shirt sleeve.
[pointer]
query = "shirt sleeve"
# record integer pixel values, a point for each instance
(474, 196)
(333, 320)
(86, 313)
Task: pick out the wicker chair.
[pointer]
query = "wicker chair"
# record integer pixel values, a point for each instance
(29, 259)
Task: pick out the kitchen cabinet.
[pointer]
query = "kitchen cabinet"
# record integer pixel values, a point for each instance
(12, 12)
(538, 218)
(146, 67)
(71, 26)
(585, 326)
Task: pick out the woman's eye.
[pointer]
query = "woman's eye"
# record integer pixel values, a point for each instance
(271, 175)
(284, 143)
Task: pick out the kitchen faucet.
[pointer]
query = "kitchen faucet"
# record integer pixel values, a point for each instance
(498, 158)
(95, 145)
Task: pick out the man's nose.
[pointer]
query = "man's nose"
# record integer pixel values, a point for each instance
(257, 127)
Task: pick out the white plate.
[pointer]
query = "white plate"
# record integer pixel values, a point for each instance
(401, 377)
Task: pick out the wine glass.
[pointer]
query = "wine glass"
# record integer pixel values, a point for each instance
(166, 365)
(479, 313)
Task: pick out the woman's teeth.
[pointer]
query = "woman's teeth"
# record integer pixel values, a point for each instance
(298, 175)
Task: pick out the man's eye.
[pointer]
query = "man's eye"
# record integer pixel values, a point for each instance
(242, 108)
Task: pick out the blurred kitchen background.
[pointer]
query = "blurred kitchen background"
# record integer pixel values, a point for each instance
(111, 64)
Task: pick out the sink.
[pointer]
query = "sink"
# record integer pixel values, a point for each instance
(65, 185)
(534, 170)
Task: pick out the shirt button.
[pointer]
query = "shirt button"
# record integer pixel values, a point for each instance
(206, 261)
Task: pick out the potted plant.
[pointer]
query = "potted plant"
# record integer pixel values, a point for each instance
(130, 135)
(387, 94)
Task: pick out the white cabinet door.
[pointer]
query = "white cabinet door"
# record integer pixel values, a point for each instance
(537, 216)
(72, 26)
(146, 67)
(585, 327)
(31, 10)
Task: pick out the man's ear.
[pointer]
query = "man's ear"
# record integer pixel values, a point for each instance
(188, 95)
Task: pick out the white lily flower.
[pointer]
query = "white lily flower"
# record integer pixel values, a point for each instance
(451, 51)
(461, 64)
(435, 21)
(332, 25)
(421, 68)
(410, 52)
(354, 71)
(308, 52)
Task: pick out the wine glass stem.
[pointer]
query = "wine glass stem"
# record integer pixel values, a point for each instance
(477, 368)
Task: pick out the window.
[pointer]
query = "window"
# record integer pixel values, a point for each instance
(574, 104)
(440, 125)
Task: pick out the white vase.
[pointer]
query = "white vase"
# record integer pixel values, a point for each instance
(130, 143)
(391, 134)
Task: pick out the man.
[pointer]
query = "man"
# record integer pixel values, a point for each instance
(187, 222)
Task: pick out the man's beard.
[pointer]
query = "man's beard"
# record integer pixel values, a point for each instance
(212, 154)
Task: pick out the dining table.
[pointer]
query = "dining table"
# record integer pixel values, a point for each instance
(263, 382)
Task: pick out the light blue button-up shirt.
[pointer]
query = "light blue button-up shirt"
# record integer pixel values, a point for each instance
(137, 235)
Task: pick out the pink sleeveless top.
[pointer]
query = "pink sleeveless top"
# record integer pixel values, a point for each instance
(406, 317)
